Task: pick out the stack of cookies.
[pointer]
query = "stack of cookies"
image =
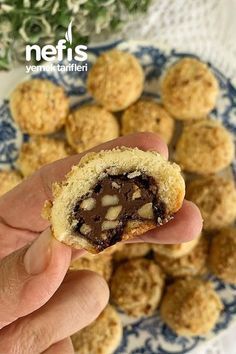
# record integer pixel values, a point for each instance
(144, 277)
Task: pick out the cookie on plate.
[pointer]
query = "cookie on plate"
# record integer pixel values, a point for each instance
(205, 147)
(116, 80)
(114, 195)
(40, 151)
(130, 251)
(191, 307)
(137, 286)
(215, 196)
(222, 258)
(176, 250)
(148, 116)
(103, 336)
(39, 106)
(90, 125)
(101, 264)
(192, 264)
(189, 89)
(9, 179)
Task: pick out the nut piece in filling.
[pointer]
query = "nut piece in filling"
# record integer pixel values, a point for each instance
(102, 336)
(115, 195)
(191, 307)
(222, 259)
(39, 106)
(136, 287)
(116, 80)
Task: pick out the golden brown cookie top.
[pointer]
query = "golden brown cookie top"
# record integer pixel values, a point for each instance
(189, 89)
(90, 125)
(39, 151)
(102, 336)
(222, 257)
(192, 263)
(216, 198)
(136, 287)
(191, 307)
(175, 250)
(148, 116)
(116, 80)
(9, 179)
(39, 106)
(204, 147)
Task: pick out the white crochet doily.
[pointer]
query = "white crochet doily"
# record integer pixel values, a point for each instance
(203, 27)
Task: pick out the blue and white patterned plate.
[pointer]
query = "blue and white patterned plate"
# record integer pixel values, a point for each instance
(147, 335)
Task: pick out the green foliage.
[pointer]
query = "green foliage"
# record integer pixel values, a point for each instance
(45, 22)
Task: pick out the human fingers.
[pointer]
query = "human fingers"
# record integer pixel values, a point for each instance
(30, 276)
(186, 225)
(76, 304)
(65, 346)
(21, 208)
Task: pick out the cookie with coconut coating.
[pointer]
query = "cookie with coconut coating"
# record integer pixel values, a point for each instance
(130, 251)
(103, 336)
(116, 80)
(222, 258)
(39, 151)
(191, 307)
(175, 250)
(9, 179)
(189, 89)
(39, 106)
(137, 286)
(204, 147)
(99, 263)
(148, 116)
(191, 264)
(90, 125)
(115, 195)
(215, 196)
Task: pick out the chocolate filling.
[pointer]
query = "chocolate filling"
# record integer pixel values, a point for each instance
(102, 215)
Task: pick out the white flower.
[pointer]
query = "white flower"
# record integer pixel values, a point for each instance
(74, 5)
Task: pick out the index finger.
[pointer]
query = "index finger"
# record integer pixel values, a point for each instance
(21, 208)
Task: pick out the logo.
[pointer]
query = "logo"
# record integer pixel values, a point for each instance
(62, 50)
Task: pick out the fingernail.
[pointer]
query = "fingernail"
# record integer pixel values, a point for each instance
(38, 255)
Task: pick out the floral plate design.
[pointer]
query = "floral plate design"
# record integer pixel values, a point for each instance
(146, 335)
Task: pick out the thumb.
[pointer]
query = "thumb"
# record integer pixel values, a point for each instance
(30, 276)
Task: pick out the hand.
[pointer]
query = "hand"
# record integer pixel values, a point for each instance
(40, 305)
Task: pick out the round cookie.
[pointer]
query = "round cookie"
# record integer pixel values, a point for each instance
(189, 89)
(137, 286)
(222, 258)
(89, 126)
(103, 336)
(176, 250)
(9, 179)
(39, 151)
(148, 116)
(205, 147)
(116, 80)
(193, 263)
(127, 251)
(39, 106)
(101, 264)
(216, 198)
(122, 193)
(191, 307)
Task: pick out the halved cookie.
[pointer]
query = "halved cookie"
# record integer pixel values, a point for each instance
(115, 195)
